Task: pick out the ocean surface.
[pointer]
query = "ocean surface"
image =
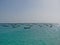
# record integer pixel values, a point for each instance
(29, 34)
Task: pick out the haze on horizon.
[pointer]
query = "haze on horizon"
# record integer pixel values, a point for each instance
(29, 11)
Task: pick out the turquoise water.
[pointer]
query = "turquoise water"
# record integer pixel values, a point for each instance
(29, 34)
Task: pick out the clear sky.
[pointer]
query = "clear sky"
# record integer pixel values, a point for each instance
(21, 11)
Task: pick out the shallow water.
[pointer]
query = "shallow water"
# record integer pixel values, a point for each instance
(29, 34)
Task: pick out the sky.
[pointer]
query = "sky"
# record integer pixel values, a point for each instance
(29, 11)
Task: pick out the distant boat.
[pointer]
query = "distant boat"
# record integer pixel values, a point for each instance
(27, 27)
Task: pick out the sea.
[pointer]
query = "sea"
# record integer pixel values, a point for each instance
(29, 34)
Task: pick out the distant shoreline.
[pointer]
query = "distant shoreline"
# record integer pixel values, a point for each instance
(38, 23)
